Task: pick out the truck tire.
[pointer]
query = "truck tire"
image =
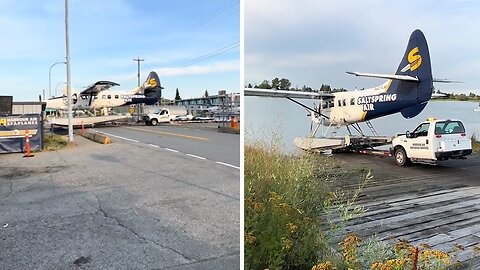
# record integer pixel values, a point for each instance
(401, 157)
(154, 122)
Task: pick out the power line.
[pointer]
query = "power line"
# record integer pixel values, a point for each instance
(204, 57)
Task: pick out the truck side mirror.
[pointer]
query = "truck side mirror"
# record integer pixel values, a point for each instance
(408, 134)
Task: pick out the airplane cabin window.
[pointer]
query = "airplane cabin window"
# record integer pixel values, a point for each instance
(109, 96)
(104, 96)
(116, 96)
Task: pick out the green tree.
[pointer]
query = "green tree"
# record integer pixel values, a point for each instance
(285, 83)
(276, 83)
(265, 85)
(177, 95)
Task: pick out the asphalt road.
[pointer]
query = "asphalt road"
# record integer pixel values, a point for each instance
(127, 205)
(203, 142)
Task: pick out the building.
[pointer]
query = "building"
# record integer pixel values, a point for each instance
(200, 106)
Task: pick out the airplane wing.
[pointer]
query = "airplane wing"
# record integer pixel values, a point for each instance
(445, 81)
(384, 76)
(285, 93)
(97, 87)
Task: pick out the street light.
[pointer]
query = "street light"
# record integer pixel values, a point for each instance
(138, 67)
(50, 78)
(58, 85)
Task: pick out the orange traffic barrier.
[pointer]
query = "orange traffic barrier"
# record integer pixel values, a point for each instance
(233, 122)
(27, 145)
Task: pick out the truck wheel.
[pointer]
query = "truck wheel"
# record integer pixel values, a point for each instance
(401, 157)
(154, 122)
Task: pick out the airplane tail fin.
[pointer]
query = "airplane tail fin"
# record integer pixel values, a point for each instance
(415, 63)
(152, 87)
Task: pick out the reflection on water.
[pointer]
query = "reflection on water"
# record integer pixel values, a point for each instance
(267, 116)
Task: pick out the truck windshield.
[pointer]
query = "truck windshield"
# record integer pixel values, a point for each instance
(449, 127)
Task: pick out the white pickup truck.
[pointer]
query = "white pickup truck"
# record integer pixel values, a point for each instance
(432, 141)
(166, 114)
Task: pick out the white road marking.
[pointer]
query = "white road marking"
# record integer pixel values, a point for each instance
(120, 137)
(226, 164)
(195, 156)
(168, 149)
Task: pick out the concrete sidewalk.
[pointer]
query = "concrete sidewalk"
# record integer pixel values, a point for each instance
(117, 206)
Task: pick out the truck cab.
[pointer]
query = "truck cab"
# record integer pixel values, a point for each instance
(160, 116)
(432, 141)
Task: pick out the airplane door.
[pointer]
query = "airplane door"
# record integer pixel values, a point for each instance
(419, 144)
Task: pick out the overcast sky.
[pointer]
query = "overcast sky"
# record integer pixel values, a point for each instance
(314, 42)
(193, 45)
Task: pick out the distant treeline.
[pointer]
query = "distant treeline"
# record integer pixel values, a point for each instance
(461, 97)
(285, 84)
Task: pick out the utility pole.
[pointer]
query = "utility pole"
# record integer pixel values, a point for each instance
(69, 83)
(138, 75)
(138, 68)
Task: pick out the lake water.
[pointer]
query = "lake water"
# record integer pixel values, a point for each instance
(267, 116)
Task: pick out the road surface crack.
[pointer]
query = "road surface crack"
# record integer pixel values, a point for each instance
(144, 239)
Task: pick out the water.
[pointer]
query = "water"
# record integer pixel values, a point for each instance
(267, 116)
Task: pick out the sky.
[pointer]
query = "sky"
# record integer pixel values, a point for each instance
(192, 45)
(313, 42)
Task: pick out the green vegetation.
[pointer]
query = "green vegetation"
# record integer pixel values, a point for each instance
(291, 212)
(458, 97)
(475, 144)
(54, 142)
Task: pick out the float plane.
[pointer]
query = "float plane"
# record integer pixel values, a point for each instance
(100, 96)
(407, 91)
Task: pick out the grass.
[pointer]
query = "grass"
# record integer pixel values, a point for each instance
(475, 144)
(290, 203)
(54, 142)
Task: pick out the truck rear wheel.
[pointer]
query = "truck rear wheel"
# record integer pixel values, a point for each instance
(401, 157)
(154, 122)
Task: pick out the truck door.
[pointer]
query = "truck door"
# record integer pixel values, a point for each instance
(419, 144)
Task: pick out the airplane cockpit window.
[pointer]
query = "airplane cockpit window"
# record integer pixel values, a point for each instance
(344, 101)
(339, 103)
(421, 130)
(352, 101)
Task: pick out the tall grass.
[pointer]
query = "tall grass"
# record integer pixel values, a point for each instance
(287, 198)
(475, 143)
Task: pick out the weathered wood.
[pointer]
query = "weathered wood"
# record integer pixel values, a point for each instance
(438, 205)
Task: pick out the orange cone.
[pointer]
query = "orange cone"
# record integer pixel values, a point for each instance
(27, 145)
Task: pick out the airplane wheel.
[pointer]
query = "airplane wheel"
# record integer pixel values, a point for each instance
(401, 157)
(154, 122)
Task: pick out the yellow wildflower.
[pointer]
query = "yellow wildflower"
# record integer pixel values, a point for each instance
(292, 227)
(286, 243)
(250, 238)
(324, 266)
(257, 205)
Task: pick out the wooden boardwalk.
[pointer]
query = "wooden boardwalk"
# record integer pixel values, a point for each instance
(438, 205)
